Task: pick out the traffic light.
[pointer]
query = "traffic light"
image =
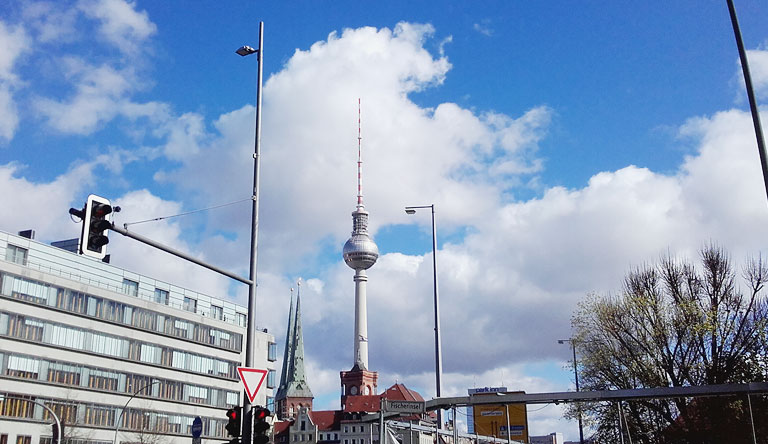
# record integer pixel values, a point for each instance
(58, 433)
(261, 425)
(94, 240)
(233, 425)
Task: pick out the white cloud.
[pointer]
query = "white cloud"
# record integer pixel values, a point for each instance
(121, 24)
(309, 144)
(14, 41)
(484, 27)
(51, 22)
(42, 206)
(758, 67)
(101, 93)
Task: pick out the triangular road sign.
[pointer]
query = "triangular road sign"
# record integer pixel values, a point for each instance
(251, 379)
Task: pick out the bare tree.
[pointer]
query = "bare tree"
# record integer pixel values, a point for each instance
(676, 325)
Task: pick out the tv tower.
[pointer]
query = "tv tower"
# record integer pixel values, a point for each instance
(360, 253)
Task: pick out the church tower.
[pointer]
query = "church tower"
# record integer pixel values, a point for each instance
(293, 392)
(360, 253)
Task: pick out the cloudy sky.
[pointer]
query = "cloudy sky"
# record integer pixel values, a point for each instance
(560, 146)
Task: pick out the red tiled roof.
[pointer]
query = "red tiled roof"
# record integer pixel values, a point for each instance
(400, 392)
(326, 419)
(362, 403)
(280, 427)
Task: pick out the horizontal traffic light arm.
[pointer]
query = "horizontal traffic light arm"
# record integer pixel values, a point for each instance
(178, 253)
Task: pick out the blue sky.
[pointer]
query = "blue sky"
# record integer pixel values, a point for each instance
(561, 146)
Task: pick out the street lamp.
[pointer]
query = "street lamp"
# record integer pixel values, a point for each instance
(141, 389)
(438, 346)
(250, 341)
(576, 377)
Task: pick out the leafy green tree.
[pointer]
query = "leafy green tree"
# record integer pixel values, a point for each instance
(676, 324)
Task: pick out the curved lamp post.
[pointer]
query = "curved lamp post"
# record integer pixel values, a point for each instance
(141, 389)
(438, 346)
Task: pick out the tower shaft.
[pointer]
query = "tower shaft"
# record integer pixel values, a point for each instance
(361, 321)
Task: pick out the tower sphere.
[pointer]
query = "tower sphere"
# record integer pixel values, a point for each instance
(360, 252)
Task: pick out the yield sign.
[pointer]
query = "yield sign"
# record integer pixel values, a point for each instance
(251, 379)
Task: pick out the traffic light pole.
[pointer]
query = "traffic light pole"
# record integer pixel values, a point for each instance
(250, 339)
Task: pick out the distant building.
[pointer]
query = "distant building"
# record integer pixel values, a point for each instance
(106, 348)
(552, 438)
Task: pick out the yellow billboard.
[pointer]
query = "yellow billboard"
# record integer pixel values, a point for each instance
(491, 420)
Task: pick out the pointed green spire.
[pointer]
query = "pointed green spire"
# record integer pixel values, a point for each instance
(296, 385)
(293, 380)
(287, 353)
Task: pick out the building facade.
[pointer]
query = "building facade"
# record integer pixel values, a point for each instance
(120, 357)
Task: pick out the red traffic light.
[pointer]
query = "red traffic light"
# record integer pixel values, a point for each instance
(261, 413)
(233, 425)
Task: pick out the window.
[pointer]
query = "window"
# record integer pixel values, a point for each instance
(190, 304)
(271, 379)
(346, 430)
(353, 431)
(272, 352)
(161, 296)
(131, 288)
(23, 439)
(303, 425)
(362, 429)
(217, 312)
(16, 254)
(241, 320)
(271, 403)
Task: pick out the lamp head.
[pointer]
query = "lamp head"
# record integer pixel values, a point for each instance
(410, 211)
(246, 50)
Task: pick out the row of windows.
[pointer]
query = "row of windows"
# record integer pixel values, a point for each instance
(99, 415)
(38, 330)
(76, 375)
(112, 311)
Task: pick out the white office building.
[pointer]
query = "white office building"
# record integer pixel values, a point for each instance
(120, 357)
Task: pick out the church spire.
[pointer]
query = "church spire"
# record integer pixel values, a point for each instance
(287, 353)
(294, 391)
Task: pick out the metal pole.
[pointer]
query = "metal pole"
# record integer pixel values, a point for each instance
(621, 428)
(751, 418)
(509, 434)
(438, 345)
(177, 253)
(117, 423)
(455, 429)
(750, 94)
(250, 342)
(381, 420)
(576, 377)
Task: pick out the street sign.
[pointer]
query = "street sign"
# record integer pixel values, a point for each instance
(197, 427)
(252, 378)
(404, 406)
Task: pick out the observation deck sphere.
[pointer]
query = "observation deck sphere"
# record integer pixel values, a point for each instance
(360, 252)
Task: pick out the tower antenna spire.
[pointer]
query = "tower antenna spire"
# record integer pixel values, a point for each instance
(359, 160)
